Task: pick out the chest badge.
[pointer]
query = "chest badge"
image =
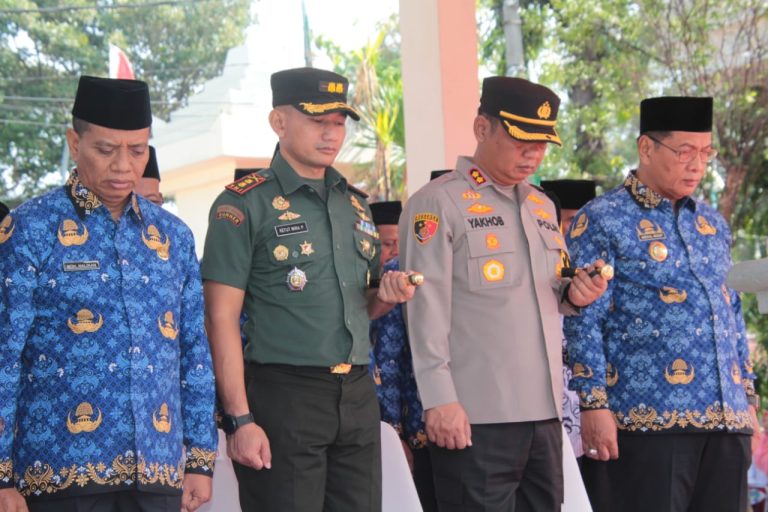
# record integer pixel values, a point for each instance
(289, 216)
(296, 280)
(280, 203)
(6, 229)
(84, 421)
(480, 209)
(704, 227)
(534, 198)
(493, 271)
(306, 248)
(580, 226)
(647, 230)
(167, 326)
(362, 215)
(542, 213)
(658, 251)
(70, 233)
(154, 241)
(491, 241)
(682, 372)
(85, 322)
(280, 252)
(471, 195)
(356, 203)
(161, 419)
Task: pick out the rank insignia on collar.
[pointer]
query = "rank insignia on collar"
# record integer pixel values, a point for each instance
(534, 198)
(658, 251)
(647, 230)
(477, 176)
(682, 373)
(493, 271)
(704, 227)
(306, 248)
(280, 252)
(289, 216)
(247, 183)
(6, 228)
(480, 208)
(471, 195)
(425, 226)
(580, 226)
(296, 280)
(280, 203)
(154, 241)
(70, 234)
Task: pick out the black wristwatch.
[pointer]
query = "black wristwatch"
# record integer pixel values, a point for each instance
(229, 424)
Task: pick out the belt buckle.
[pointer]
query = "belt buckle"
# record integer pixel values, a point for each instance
(341, 369)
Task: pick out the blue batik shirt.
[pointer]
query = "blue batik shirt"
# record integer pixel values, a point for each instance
(392, 370)
(105, 370)
(665, 347)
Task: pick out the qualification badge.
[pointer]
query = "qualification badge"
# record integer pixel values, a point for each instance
(280, 253)
(280, 203)
(297, 280)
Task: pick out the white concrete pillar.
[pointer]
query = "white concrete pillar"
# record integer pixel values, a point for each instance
(441, 90)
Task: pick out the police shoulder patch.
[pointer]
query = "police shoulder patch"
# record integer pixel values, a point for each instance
(246, 183)
(425, 226)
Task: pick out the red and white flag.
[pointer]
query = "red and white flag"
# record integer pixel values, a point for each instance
(119, 65)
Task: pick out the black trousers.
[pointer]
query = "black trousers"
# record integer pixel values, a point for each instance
(510, 467)
(422, 477)
(325, 436)
(123, 501)
(702, 472)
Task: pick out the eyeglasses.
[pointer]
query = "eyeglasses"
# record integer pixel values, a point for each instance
(686, 155)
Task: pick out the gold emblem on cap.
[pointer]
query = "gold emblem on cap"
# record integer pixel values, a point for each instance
(280, 203)
(704, 227)
(493, 271)
(162, 419)
(84, 421)
(658, 251)
(670, 295)
(281, 253)
(167, 326)
(681, 374)
(306, 248)
(289, 216)
(84, 322)
(544, 110)
(69, 233)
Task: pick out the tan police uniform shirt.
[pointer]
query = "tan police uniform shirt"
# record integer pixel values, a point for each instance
(485, 326)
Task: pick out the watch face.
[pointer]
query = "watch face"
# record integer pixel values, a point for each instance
(228, 424)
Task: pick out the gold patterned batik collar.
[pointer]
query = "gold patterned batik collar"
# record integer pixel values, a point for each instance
(641, 193)
(84, 201)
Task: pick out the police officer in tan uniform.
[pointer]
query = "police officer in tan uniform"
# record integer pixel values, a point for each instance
(485, 327)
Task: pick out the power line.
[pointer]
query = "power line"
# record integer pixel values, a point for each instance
(66, 8)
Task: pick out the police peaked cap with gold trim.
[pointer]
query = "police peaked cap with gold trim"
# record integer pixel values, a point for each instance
(152, 170)
(528, 111)
(113, 103)
(312, 91)
(572, 194)
(676, 114)
(386, 212)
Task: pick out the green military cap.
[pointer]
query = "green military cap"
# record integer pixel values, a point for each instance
(527, 110)
(312, 91)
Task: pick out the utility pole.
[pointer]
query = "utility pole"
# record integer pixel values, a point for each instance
(513, 36)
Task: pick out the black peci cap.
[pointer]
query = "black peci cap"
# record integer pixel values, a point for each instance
(312, 91)
(152, 170)
(386, 212)
(571, 194)
(437, 173)
(113, 103)
(676, 114)
(527, 110)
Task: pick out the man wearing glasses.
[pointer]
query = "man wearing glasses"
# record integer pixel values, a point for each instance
(660, 361)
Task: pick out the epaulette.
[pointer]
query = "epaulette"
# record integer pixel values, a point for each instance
(357, 191)
(246, 183)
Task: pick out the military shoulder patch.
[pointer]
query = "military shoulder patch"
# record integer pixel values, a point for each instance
(246, 183)
(230, 213)
(425, 226)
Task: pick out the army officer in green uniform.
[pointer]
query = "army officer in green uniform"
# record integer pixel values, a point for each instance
(294, 246)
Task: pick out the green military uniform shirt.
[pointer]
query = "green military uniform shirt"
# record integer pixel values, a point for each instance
(303, 261)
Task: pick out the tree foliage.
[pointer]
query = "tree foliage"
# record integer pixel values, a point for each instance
(44, 48)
